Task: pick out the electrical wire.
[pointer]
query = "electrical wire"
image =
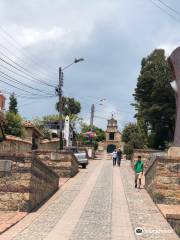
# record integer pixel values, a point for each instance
(21, 60)
(22, 69)
(26, 97)
(170, 8)
(16, 73)
(17, 45)
(9, 84)
(24, 84)
(163, 10)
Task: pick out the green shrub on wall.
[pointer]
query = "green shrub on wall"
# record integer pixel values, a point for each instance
(14, 124)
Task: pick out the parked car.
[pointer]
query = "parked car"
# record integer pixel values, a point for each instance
(82, 159)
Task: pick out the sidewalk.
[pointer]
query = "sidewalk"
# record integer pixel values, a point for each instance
(98, 203)
(143, 211)
(9, 219)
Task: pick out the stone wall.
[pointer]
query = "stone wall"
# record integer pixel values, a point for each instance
(175, 224)
(15, 145)
(49, 144)
(162, 180)
(147, 155)
(25, 182)
(63, 162)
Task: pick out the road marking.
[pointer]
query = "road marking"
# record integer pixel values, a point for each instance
(64, 228)
(121, 224)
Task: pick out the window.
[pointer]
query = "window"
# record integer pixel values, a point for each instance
(111, 136)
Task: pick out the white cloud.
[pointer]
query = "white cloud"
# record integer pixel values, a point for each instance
(29, 36)
(112, 36)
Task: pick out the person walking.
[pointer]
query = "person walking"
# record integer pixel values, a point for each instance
(119, 156)
(114, 157)
(138, 168)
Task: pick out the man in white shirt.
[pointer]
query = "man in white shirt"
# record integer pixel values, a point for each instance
(114, 157)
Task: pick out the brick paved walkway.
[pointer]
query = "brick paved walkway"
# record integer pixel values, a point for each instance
(100, 203)
(143, 212)
(8, 219)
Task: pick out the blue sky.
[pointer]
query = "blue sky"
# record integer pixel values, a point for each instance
(112, 36)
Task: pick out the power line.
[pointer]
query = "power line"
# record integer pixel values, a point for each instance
(16, 44)
(18, 74)
(20, 59)
(26, 97)
(24, 84)
(172, 9)
(9, 84)
(163, 10)
(23, 71)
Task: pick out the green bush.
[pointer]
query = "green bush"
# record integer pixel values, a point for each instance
(14, 124)
(128, 150)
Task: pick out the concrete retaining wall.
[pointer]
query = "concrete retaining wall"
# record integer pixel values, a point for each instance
(15, 145)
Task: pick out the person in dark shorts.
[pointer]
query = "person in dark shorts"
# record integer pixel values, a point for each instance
(119, 156)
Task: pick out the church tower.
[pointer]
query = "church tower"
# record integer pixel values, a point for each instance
(113, 136)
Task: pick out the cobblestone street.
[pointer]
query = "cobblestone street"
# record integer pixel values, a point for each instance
(100, 202)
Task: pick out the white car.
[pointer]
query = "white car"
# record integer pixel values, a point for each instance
(82, 159)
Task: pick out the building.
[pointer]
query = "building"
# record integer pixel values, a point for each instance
(113, 137)
(53, 127)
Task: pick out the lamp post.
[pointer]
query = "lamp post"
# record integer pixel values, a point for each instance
(93, 110)
(60, 94)
(92, 114)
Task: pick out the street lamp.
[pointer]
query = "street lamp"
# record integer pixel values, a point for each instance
(60, 94)
(99, 102)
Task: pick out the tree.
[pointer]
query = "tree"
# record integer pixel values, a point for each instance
(100, 135)
(14, 124)
(39, 123)
(155, 101)
(13, 104)
(132, 136)
(70, 106)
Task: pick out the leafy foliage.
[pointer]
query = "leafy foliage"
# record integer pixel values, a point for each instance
(155, 101)
(100, 135)
(39, 123)
(13, 104)
(70, 106)
(14, 124)
(132, 136)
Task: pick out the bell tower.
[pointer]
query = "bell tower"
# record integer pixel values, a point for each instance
(113, 136)
(112, 129)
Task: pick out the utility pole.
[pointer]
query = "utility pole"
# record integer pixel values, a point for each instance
(60, 93)
(92, 116)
